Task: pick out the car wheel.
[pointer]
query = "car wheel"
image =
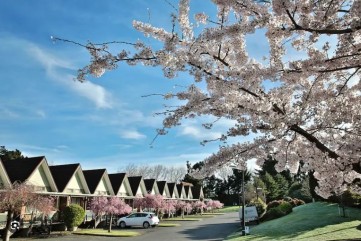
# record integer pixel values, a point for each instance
(146, 225)
(122, 225)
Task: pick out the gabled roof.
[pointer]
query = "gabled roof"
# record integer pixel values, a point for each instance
(116, 179)
(62, 175)
(188, 192)
(21, 169)
(181, 190)
(197, 192)
(161, 186)
(172, 189)
(135, 183)
(151, 185)
(94, 177)
(4, 176)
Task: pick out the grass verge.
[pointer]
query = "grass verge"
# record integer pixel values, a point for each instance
(102, 232)
(168, 224)
(229, 209)
(182, 219)
(314, 221)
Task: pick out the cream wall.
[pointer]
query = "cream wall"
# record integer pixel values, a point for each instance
(39, 179)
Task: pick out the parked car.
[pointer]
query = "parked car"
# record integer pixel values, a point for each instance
(144, 219)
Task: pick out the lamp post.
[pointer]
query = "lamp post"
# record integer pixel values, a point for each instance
(243, 221)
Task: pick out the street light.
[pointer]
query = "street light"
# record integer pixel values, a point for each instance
(242, 167)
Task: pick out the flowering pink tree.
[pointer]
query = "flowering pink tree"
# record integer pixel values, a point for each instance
(212, 205)
(151, 201)
(188, 208)
(199, 206)
(116, 206)
(298, 101)
(108, 206)
(169, 207)
(180, 205)
(19, 195)
(138, 203)
(98, 207)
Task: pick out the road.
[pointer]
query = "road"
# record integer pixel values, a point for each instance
(208, 229)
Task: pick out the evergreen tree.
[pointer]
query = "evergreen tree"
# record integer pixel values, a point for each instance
(9, 155)
(273, 191)
(282, 184)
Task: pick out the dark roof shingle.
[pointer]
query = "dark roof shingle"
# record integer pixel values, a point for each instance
(116, 179)
(21, 169)
(149, 184)
(62, 174)
(93, 177)
(161, 186)
(134, 183)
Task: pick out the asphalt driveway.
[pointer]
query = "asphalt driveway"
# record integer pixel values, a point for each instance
(208, 229)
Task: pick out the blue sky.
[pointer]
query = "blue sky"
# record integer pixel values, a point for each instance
(102, 123)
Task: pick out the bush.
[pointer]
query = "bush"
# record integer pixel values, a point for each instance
(73, 215)
(351, 199)
(285, 207)
(301, 191)
(260, 205)
(279, 208)
(297, 202)
(273, 213)
(273, 204)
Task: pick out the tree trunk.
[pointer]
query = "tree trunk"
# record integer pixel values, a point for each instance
(97, 221)
(110, 223)
(31, 224)
(7, 231)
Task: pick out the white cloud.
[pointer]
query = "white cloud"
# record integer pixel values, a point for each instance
(53, 65)
(132, 134)
(93, 92)
(198, 133)
(40, 113)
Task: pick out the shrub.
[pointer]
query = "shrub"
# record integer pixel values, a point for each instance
(285, 207)
(296, 202)
(73, 215)
(351, 199)
(273, 204)
(273, 213)
(260, 205)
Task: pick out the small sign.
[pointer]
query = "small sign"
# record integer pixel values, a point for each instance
(250, 214)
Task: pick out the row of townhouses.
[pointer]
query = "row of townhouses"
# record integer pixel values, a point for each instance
(69, 183)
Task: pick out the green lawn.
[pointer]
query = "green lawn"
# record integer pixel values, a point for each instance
(186, 218)
(315, 221)
(166, 224)
(229, 209)
(102, 232)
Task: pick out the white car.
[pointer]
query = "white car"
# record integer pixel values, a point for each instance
(144, 219)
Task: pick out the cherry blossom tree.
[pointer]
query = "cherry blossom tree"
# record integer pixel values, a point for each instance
(98, 206)
(169, 207)
(188, 208)
(101, 206)
(151, 201)
(17, 196)
(299, 102)
(180, 205)
(116, 206)
(199, 206)
(214, 204)
(138, 203)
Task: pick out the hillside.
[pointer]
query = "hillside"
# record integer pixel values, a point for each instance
(314, 221)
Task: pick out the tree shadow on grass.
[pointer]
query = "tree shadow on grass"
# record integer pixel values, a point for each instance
(214, 232)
